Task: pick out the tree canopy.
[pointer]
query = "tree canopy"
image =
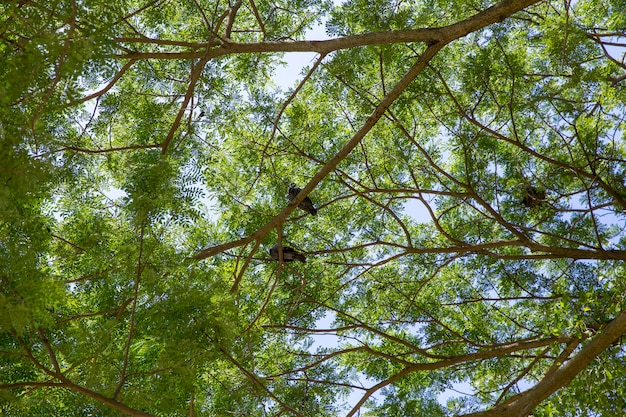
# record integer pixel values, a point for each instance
(466, 160)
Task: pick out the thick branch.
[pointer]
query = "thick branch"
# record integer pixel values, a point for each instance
(523, 404)
(196, 72)
(105, 400)
(429, 36)
(497, 352)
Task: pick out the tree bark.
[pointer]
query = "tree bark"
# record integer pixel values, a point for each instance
(523, 404)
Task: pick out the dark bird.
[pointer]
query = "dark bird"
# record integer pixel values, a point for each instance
(533, 196)
(306, 204)
(289, 254)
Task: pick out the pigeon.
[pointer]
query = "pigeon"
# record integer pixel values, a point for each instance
(289, 254)
(533, 196)
(306, 204)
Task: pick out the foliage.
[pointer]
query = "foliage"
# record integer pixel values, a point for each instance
(467, 160)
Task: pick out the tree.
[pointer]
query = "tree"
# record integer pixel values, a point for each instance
(466, 158)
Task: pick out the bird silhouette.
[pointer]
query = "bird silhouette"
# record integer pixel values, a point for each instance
(306, 204)
(533, 196)
(289, 254)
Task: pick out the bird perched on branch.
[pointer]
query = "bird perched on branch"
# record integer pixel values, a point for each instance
(533, 196)
(306, 204)
(289, 254)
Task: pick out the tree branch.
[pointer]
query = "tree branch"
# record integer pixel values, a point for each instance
(523, 404)
(430, 36)
(334, 161)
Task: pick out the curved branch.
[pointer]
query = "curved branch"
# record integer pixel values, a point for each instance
(430, 36)
(196, 72)
(523, 404)
(107, 87)
(105, 400)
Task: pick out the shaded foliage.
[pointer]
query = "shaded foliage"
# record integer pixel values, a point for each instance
(467, 161)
